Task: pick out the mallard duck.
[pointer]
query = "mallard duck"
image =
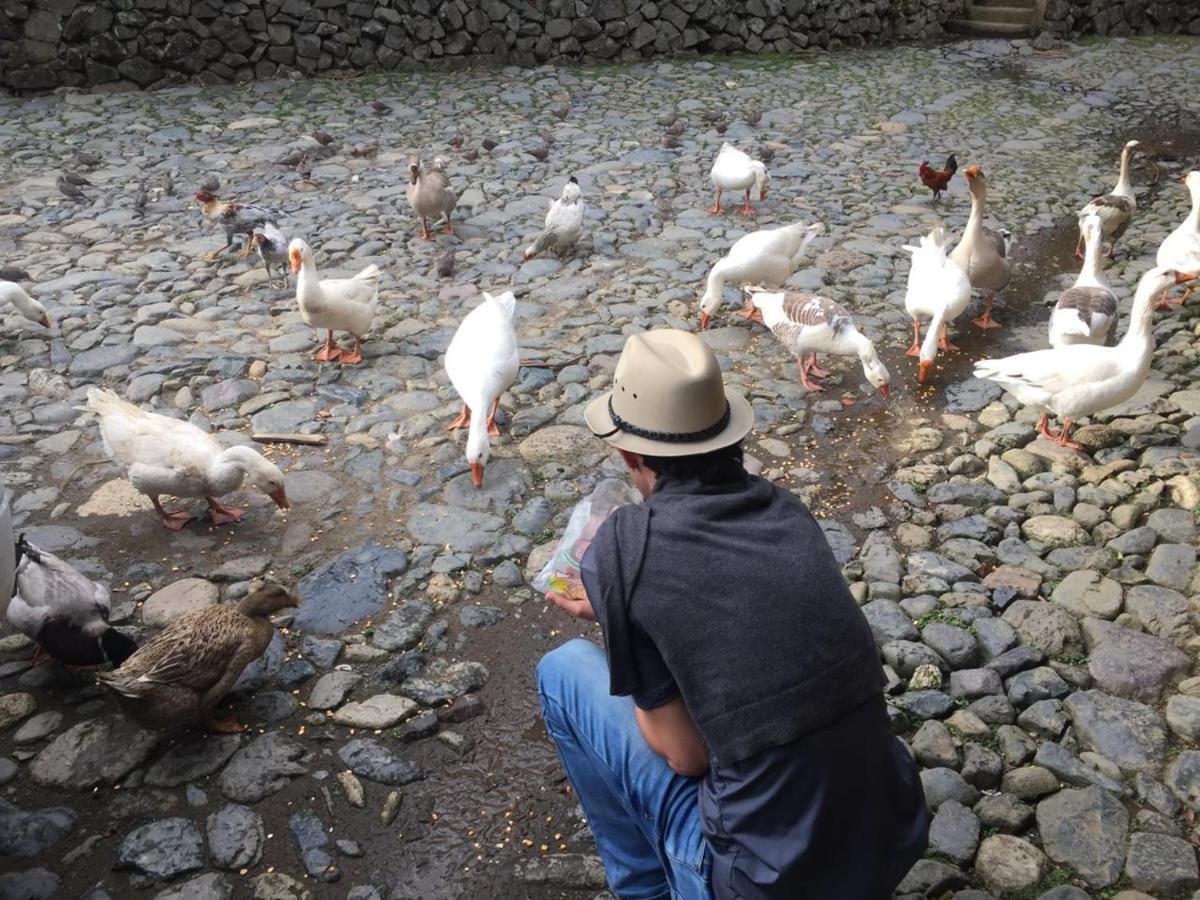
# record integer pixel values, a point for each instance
(235, 218)
(734, 170)
(64, 612)
(564, 223)
(938, 290)
(1181, 249)
(1116, 209)
(170, 456)
(24, 304)
(271, 244)
(1083, 379)
(430, 194)
(1086, 312)
(807, 325)
(482, 362)
(982, 253)
(181, 674)
(765, 258)
(335, 304)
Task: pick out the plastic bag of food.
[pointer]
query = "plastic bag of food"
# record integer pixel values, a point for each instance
(561, 573)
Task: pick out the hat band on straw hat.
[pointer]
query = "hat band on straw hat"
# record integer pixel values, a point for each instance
(666, 437)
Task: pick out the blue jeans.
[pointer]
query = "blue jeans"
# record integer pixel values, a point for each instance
(643, 815)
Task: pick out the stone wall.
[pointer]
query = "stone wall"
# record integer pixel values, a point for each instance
(151, 43)
(1121, 17)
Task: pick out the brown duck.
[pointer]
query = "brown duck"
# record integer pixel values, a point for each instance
(182, 673)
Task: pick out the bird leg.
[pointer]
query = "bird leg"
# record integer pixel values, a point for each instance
(224, 515)
(493, 428)
(915, 349)
(944, 340)
(172, 520)
(806, 380)
(814, 369)
(986, 320)
(1043, 427)
(354, 357)
(1063, 438)
(40, 656)
(249, 246)
(1167, 302)
(463, 420)
(747, 209)
(224, 726)
(750, 312)
(228, 243)
(716, 207)
(329, 351)
(447, 229)
(425, 235)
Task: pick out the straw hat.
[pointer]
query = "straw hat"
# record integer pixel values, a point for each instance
(668, 399)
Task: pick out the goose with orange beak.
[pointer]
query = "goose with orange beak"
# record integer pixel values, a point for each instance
(482, 361)
(335, 304)
(24, 304)
(982, 253)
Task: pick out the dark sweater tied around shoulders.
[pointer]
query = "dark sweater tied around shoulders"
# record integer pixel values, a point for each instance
(735, 584)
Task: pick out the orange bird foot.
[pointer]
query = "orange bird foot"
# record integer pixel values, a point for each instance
(493, 428)
(351, 358)
(716, 208)
(448, 229)
(175, 520)
(746, 210)
(327, 353)
(817, 371)
(225, 515)
(946, 347)
(751, 314)
(914, 350)
(986, 321)
(463, 420)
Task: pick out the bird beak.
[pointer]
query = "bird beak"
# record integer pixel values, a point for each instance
(279, 495)
(1183, 179)
(887, 391)
(705, 318)
(923, 371)
(45, 320)
(294, 259)
(477, 474)
(1184, 277)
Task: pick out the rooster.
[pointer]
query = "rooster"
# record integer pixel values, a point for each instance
(938, 181)
(235, 218)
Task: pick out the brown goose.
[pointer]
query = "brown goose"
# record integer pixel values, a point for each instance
(181, 673)
(430, 194)
(1116, 209)
(982, 253)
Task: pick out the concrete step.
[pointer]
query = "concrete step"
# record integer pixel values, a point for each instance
(997, 15)
(1024, 4)
(976, 28)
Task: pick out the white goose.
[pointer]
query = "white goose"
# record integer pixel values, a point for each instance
(1116, 209)
(564, 222)
(938, 290)
(734, 170)
(482, 362)
(1181, 249)
(335, 304)
(1083, 379)
(1086, 313)
(24, 304)
(170, 456)
(64, 612)
(765, 258)
(807, 325)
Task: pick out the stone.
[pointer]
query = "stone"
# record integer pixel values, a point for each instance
(941, 784)
(460, 530)
(352, 586)
(1088, 593)
(1130, 734)
(32, 884)
(930, 878)
(332, 688)
(1161, 864)
(380, 711)
(953, 644)
(278, 886)
(14, 708)
(1131, 664)
(1161, 611)
(371, 760)
(1029, 782)
(556, 442)
(969, 684)
(262, 767)
(889, 622)
(312, 842)
(981, 767)
(1085, 829)
(1054, 531)
(403, 627)
(164, 849)
(1171, 566)
(30, 833)
(235, 837)
(1045, 626)
(1004, 812)
(933, 745)
(954, 832)
(195, 756)
(209, 886)
(1009, 865)
(95, 751)
(1033, 685)
(1183, 716)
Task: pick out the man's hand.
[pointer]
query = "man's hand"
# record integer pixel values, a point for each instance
(579, 607)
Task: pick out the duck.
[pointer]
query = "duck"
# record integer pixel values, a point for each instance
(1083, 379)
(482, 361)
(63, 611)
(765, 258)
(335, 304)
(430, 194)
(161, 455)
(808, 324)
(982, 253)
(180, 675)
(734, 170)
(1115, 209)
(1181, 249)
(271, 245)
(1086, 312)
(31, 309)
(939, 290)
(564, 223)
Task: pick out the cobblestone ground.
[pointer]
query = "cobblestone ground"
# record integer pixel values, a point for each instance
(1036, 608)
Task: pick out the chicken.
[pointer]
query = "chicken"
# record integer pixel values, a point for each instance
(938, 181)
(235, 218)
(564, 223)
(272, 247)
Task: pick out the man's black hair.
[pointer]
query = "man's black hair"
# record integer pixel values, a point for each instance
(715, 467)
